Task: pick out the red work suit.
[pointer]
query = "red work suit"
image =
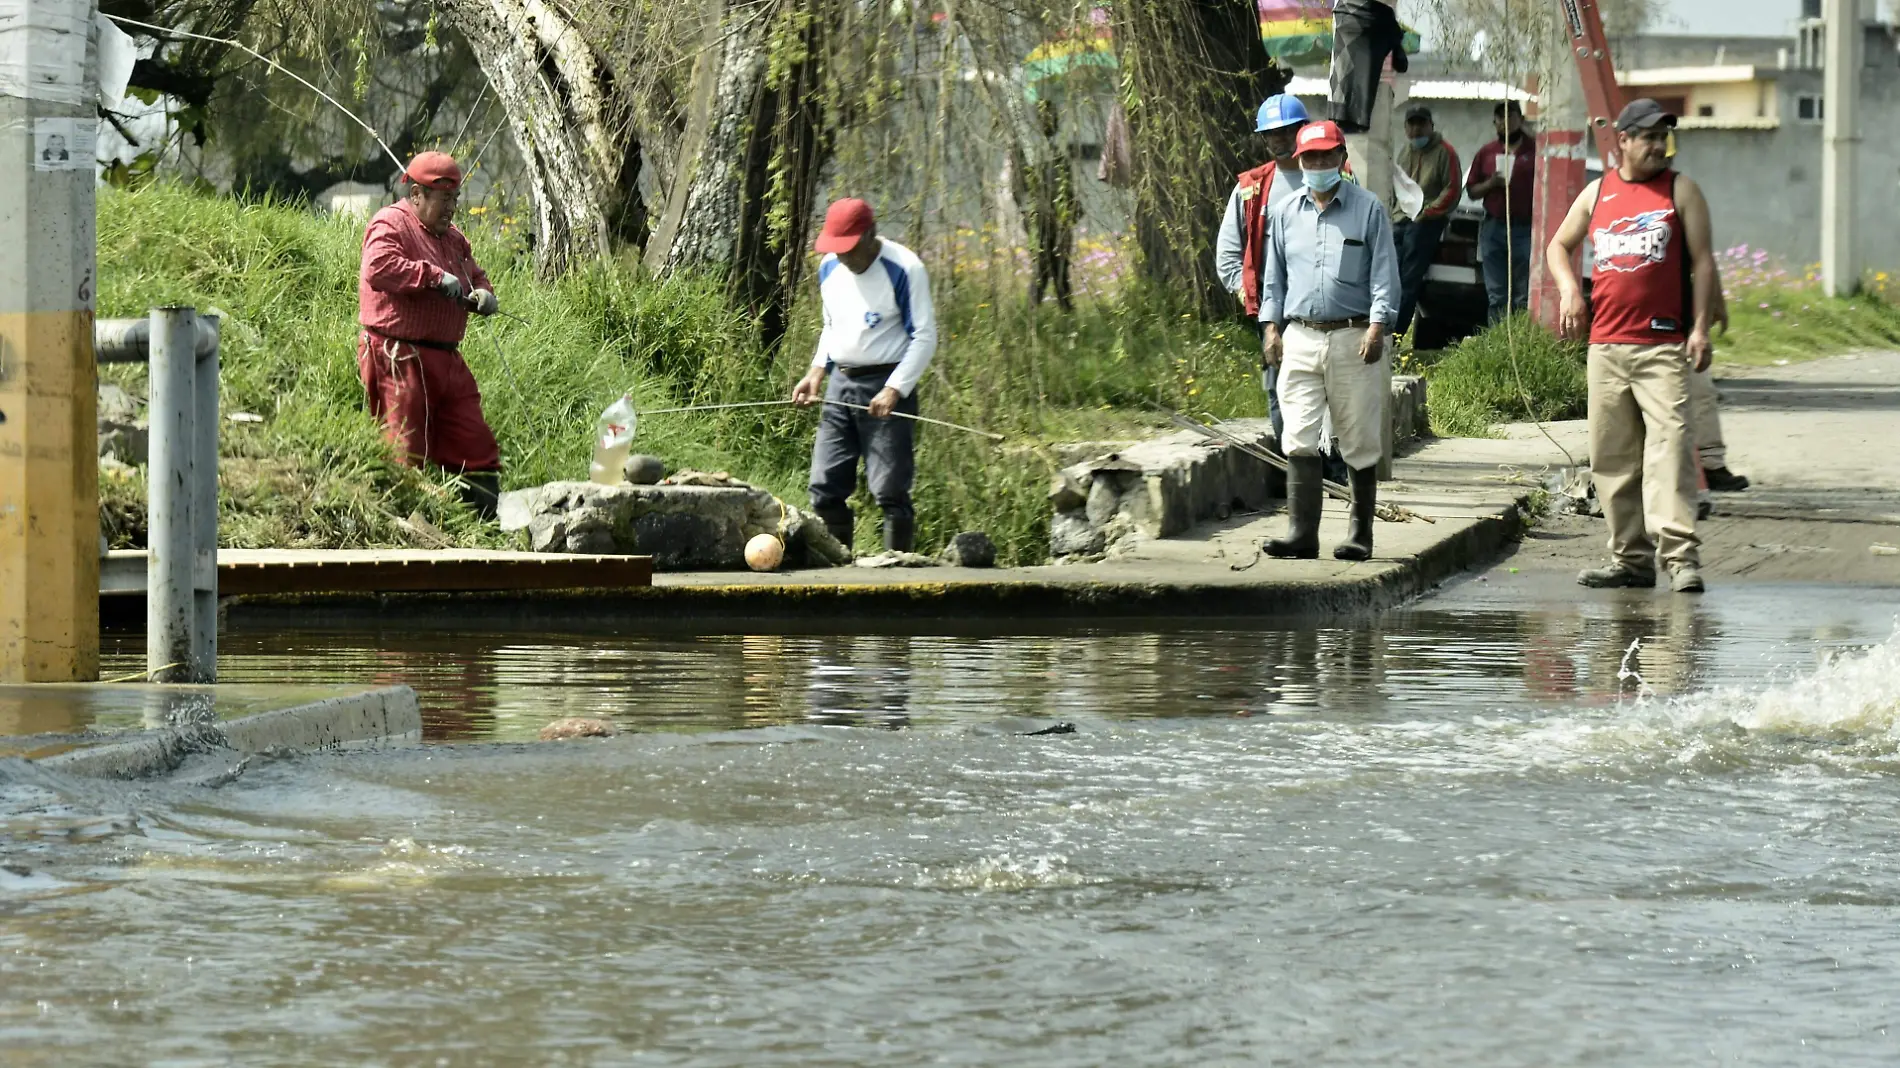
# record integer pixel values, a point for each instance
(407, 353)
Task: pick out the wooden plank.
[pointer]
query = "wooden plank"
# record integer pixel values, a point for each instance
(286, 571)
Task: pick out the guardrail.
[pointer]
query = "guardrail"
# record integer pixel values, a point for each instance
(181, 570)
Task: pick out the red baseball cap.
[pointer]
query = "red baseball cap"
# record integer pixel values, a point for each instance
(846, 223)
(1322, 136)
(437, 170)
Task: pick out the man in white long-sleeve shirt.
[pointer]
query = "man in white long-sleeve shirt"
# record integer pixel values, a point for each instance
(880, 334)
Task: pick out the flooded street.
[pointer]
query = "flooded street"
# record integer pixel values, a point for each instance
(1477, 831)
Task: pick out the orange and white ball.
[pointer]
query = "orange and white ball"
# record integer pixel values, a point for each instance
(764, 553)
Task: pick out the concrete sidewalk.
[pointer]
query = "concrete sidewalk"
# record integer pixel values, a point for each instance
(1474, 491)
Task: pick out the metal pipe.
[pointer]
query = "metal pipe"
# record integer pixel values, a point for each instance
(171, 554)
(204, 508)
(130, 340)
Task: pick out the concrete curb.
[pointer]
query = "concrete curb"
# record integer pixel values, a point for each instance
(386, 714)
(1481, 539)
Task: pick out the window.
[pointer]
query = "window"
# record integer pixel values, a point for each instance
(1808, 107)
(1705, 111)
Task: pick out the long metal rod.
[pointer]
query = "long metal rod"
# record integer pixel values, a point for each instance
(170, 534)
(838, 403)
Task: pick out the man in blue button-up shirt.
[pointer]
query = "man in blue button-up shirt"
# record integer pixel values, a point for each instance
(1329, 299)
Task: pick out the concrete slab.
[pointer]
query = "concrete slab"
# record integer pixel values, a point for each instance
(121, 731)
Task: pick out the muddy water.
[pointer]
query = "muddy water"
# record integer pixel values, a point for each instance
(1471, 833)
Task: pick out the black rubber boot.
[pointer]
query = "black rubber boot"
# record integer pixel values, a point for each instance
(1303, 492)
(839, 522)
(481, 491)
(1365, 498)
(900, 533)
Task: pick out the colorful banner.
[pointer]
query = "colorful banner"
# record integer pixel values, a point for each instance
(1092, 46)
(1299, 33)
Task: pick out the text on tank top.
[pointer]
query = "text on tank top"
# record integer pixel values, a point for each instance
(1640, 286)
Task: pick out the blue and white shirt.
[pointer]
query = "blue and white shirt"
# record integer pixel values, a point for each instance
(881, 316)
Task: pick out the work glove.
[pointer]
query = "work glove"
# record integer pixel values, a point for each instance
(483, 302)
(450, 286)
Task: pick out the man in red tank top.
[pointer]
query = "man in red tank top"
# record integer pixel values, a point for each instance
(1648, 325)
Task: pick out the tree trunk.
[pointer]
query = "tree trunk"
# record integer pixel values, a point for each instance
(577, 146)
(756, 142)
(1198, 71)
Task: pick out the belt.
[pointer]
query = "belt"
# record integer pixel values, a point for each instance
(437, 345)
(1327, 326)
(873, 371)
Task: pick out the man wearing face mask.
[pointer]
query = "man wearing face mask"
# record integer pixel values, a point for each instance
(1648, 320)
(1430, 161)
(1501, 176)
(1329, 299)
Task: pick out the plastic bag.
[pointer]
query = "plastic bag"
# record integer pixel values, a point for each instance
(613, 439)
(1410, 197)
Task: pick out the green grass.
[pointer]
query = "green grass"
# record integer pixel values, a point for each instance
(1788, 324)
(316, 473)
(1513, 371)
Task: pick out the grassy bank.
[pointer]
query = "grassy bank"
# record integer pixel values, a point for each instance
(1511, 372)
(315, 471)
(1779, 315)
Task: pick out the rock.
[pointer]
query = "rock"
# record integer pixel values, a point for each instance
(1071, 533)
(116, 405)
(1070, 490)
(590, 532)
(548, 533)
(1104, 501)
(126, 443)
(972, 548)
(562, 730)
(517, 509)
(808, 543)
(643, 470)
(893, 558)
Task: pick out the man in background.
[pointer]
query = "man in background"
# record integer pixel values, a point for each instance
(1047, 194)
(880, 335)
(1240, 249)
(1430, 161)
(418, 284)
(1501, 176)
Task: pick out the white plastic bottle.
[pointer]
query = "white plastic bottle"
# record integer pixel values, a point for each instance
(613, 439)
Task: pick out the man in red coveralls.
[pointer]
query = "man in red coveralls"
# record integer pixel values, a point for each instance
(418, 284)
(1651, 298)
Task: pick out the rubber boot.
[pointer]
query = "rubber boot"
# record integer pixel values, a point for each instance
(900, 533)
(1365, 498)
(1303, 492)
(839, 523)
(481, 491)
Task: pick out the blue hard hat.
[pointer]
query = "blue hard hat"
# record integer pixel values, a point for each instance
(1279, 112)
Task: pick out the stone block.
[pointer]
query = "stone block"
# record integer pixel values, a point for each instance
(1070, 490)
(1071, 533)
(1161, 488)
(116, 406)
(681, 527)
(128, 443)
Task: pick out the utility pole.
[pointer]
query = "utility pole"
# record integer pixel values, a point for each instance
(1840, 150)
(49, 455)
(1580, 103)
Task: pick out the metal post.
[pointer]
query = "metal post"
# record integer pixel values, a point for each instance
(49, 475)
(204, 506)
(1840, 100)
(171, 536)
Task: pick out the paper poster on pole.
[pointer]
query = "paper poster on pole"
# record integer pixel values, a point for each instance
(64, 144)
(43, 50)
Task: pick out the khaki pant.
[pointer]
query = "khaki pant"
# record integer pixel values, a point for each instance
(1639, 403)
(1706, 420)
(1321, 373)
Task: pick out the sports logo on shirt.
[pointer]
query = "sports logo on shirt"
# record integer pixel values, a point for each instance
(872, 318)
(1633, 242)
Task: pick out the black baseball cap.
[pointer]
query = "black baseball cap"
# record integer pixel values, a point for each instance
(1418, 113)
(1643, 114)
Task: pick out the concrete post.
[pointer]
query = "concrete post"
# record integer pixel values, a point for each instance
(171, 535)
(204, 505)
(49, 455)
(1562, 148)
(1840, 266)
